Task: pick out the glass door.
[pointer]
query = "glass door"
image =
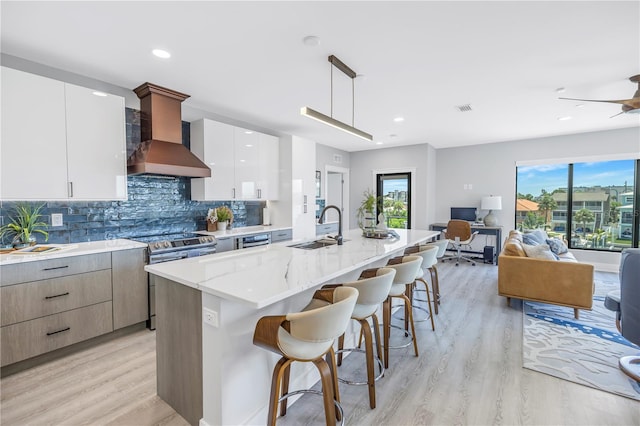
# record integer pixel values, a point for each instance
(394, 195)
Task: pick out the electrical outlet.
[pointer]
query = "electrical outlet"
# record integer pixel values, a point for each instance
(56, 219)
(210, 317)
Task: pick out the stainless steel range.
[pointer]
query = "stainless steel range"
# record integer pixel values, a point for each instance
(168, 249)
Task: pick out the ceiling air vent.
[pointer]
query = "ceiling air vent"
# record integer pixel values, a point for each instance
(464, 108)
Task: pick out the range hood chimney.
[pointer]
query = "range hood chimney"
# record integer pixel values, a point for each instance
(161, 151)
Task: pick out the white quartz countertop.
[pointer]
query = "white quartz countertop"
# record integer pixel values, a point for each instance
(264, 275)
(245, 230)
(66, 250)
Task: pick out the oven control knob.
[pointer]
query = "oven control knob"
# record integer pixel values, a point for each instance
(167, 244)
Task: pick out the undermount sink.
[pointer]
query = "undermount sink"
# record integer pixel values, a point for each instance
(312, 245)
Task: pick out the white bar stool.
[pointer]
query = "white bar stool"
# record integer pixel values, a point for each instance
(407, 268)
(373, 288)
(307, 336)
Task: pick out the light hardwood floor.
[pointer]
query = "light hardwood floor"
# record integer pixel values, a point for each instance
(469, 372)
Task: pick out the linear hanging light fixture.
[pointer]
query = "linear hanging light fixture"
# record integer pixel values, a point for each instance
(329, 120)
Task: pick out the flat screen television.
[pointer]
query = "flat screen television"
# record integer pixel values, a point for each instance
(464, 213)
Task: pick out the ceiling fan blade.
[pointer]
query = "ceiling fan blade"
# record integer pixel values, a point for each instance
(621, 101)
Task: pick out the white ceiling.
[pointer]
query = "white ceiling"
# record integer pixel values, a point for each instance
(247, 61)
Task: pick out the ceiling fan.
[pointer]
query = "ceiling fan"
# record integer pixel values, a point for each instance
(629, 106)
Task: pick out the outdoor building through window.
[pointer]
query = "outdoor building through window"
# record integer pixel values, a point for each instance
(591, 205)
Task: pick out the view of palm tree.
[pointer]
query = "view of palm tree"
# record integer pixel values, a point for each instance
(601, 212)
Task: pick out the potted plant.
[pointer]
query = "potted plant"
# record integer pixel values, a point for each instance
(366, 213)
(23, 224)
(224, 216)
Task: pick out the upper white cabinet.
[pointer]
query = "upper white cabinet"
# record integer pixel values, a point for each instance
(244, 163)
(60, 141)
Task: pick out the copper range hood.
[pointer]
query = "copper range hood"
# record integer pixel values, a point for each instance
(161, 151)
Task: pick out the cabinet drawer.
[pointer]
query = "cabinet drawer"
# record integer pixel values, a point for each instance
(30, 338)
(53, 268)
(22, 302)
(282, 235)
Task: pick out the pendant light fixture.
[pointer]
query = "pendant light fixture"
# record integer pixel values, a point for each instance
(329, 120)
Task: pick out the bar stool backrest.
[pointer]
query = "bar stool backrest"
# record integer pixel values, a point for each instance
(406, 270)
(429, 255)
(374, 290)
(327, 322)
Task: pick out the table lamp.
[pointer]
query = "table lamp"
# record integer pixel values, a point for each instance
(491, 203)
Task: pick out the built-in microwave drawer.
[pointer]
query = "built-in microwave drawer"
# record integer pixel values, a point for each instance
(22, 302)
(31, 338)
(44, 269)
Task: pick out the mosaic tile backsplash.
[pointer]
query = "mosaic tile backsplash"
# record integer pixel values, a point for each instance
(155, 206)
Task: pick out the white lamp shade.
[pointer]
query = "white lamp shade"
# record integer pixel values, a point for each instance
(491, 203)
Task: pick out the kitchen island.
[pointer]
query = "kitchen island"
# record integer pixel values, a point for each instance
(213, 374)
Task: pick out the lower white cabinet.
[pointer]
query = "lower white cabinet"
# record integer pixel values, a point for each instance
(49, 304)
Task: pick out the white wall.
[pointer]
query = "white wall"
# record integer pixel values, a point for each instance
(491, 169)
(419, 157)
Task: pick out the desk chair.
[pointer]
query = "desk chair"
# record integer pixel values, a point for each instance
(459, 234)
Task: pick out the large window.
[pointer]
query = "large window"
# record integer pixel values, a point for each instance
(394, 192)
(603, 215)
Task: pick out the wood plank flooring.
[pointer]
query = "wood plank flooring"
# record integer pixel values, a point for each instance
(469, 372)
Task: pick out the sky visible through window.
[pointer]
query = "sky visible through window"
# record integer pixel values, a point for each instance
(532, 179)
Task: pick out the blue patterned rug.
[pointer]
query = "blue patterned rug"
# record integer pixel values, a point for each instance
(584, 351)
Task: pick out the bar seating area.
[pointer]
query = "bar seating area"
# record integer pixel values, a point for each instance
(310, 335)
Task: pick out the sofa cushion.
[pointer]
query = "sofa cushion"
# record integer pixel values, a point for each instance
(540, 251)
(513, 247)
(557, 245)
(567, 257)
(537, 235)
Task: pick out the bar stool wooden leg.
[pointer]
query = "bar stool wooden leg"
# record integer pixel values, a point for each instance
(386, 323)
(413, 328)
(376, 331)
(276, 381)
(371, 376)
(426, 286)
(436, 288)
(327, 381)
(340, 347)
(331, 361)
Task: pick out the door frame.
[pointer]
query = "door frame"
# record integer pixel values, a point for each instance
(345, 191)
(399, 170)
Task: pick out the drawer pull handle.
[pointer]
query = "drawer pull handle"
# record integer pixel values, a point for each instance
(59, 331)
(57, 295)
(55, 267)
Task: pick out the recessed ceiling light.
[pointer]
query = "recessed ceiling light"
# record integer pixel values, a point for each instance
(580, 106)
(242, 161)
(248, 132)
(248, 145)
(311, 41)
(97, 93)
(564, 118)
(378, 143)
(161, 53)
(398, 119)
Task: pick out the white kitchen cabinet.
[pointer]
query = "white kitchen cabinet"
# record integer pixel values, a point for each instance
(96, 147)
(33, 150)
(60, 141)
(212, 142)
(303, 188)
(244, 163)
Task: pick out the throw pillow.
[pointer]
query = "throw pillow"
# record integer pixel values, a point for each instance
(557, 245)
(530, 240)
(541, 251)
(539, 235)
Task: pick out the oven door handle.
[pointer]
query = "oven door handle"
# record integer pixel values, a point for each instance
(161, 258)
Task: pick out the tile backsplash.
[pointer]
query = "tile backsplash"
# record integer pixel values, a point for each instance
(155, 206)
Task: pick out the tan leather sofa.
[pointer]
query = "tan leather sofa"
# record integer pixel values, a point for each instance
(565, 281)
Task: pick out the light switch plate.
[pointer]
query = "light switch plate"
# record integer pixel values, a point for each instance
(56, 219)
